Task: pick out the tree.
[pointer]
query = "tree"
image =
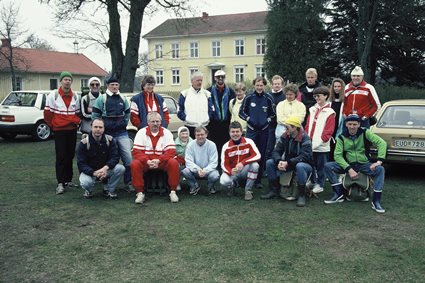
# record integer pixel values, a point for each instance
(295, 37)
(36, 42)
(124, 59)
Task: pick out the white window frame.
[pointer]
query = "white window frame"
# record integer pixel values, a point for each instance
(159, 78)
(260, 42)
(18, 82)
(50, 83)
(175, 50)
(239, 76)
(159, 51)
(216, 48)
(175, 76)
(256, 71)
(239, 47)
(84, 82)
(194, 48)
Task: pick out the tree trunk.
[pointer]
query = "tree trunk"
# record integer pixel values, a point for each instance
(114, 43)
(131, 58)
(367, 26)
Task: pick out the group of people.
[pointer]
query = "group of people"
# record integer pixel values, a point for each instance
(312, 131)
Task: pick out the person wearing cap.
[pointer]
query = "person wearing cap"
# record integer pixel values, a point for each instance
(320, 127)
(293, 152)
(114, 109)
(239, 161)
(148, 101)
(360, 98)
(221, 94)
(87, 102)
(62, 114)
(350, 157)
(195, 104)
(306, 89)
(258, 111)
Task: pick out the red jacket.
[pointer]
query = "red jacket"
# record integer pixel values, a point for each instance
(246, 152)
(362, 99)
(61, 112)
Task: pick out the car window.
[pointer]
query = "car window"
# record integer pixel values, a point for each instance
(403, 117)
(171, 105)
(21, 99)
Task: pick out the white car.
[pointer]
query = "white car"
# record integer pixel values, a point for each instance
(21, 112)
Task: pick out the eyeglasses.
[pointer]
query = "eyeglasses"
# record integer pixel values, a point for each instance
(220, 77)
(94, 84)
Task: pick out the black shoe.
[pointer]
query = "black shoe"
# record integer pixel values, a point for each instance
(111, 195)
(271, 194)
(259, 186)
(301, 201)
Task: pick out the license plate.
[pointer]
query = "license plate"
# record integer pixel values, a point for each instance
(409, 143)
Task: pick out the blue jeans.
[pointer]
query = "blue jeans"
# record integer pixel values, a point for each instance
(320, 159)
(378, 175)
(212, 177)
(248, 173)
(260, 139)
(124, 149)
(302, 171)
(87, 182)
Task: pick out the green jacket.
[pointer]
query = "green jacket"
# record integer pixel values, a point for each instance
(351, 149)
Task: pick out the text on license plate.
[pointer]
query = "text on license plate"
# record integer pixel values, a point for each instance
(409, 143)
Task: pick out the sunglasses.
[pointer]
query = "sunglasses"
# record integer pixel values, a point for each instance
(94, 84)
(220, 77)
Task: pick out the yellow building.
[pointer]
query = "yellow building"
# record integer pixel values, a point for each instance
(233, 43)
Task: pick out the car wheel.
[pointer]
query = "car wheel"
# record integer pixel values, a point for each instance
(42, 131)
(8, 136)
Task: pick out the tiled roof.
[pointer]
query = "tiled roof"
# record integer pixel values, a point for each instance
(209, 25)
(44, 61)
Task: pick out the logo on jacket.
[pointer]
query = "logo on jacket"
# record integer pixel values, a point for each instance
(253, 104)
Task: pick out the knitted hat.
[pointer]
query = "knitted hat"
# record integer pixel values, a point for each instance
(182, 128)
(352, 117)
(357, 71)
(219, 73)
(293, 121)
(94, 79)
(112, 79)
(65, 74)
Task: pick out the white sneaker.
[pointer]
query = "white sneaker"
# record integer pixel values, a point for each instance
(140, 198)
(179, 188)
(60, 189)
(317, 189)
(174, 197)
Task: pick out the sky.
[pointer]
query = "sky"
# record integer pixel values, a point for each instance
(39, 19)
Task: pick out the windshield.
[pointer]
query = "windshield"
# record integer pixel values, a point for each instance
(402, 116)
(21, 99)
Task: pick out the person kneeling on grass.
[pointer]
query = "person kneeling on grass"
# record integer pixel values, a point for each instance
(239, 161)
(293, 152)
(154, 149)
(201, 162)
(97, 160)
(351, 157)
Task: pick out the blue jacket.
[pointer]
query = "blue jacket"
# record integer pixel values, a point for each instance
(293, 150)
(257, 110)
(221, 110)
(97, 154)
(139, 99)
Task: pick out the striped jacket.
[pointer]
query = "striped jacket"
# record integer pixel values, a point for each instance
(62, 112)
(147, 146)
(320, 127)
(362, 99)
(246, 152)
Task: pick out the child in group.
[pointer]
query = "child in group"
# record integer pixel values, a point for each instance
(181, 142)
(235, 105)
(288, 108)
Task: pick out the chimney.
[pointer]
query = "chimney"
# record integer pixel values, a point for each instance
(204, 15)
(5, 42)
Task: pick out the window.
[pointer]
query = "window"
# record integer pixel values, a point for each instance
(17, 83)
(239, 47)
(175, 50)
(194, 50)
(53, 84)
(239, 74)
(259, 71)
(216, 48)
(175, 76)
(159, 77)
(84, 82)
(158, 51)
(260, 46)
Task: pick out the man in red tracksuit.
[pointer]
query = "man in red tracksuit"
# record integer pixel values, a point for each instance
(61, 113)
(153, 149)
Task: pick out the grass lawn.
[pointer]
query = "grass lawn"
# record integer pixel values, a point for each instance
(49, 238)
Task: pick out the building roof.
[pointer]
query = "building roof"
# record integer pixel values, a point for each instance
(210, 25)
(44, 61)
